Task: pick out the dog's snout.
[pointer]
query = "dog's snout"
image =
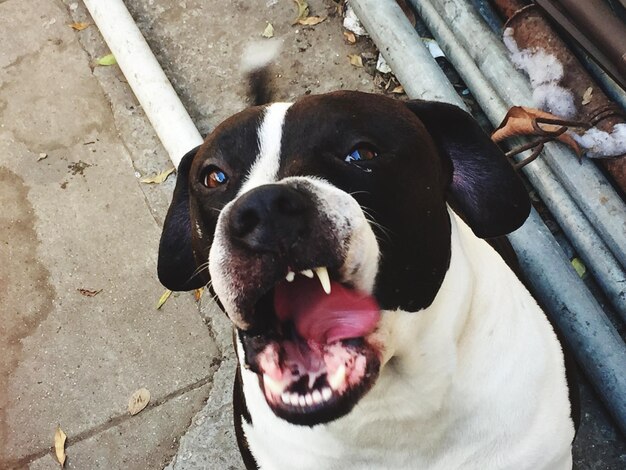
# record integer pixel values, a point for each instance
(272, 217)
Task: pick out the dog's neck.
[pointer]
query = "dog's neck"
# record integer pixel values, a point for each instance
(422, 357)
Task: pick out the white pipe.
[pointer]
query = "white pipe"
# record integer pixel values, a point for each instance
(155, 93)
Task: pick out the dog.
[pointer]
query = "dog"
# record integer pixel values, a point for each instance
(375, 328)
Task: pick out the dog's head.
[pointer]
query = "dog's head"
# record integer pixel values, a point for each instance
(309, 219)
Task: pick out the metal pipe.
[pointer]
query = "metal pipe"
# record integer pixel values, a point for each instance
(580, 232)
(152, 88)
(583, 181)
(604, 354)
(401, 53)
(589, 334)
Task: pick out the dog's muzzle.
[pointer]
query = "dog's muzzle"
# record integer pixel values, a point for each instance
(287, 262)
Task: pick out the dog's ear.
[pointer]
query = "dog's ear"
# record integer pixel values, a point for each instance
(177, 267)
(484, 188)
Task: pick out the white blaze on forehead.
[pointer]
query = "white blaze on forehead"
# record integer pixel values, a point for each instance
(264, 170)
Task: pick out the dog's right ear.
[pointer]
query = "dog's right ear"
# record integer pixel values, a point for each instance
(177, 267)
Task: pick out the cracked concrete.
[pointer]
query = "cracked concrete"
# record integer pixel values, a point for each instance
(74, 217)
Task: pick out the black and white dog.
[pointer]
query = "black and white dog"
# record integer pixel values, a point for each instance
(375, 328)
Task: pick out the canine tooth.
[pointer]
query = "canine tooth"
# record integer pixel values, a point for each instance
(317, 397)
(290, 276)
(285, 398)
(301, 400)
(322, 274)
(338, 377)
(308, 273)
(326, 393)
(308, 399)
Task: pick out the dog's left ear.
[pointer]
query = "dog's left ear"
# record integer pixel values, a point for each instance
(485, 187)
(177, 267)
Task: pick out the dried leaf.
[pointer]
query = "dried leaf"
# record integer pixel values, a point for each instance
(311, 20)
(303, 10)
(587, 96)
(59, 445)
(42, 156)
(80, 26)
(106, 60)
(579, 266)
(519, 121)
(356, 60)
(350, 37)
(138, 401)
(398, 90)
(89, 293)
(163, 298)
(158, 179)
(198, 294)
(268, 32)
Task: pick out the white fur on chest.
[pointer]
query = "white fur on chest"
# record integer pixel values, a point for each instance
(475, 381)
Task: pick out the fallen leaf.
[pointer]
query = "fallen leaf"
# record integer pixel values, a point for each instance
(398, 90)
(356, 60)
(106, 60)
(303, 10)
(579, 266)
(163, 298)
(519, 121)
(138, 401)
(42, 156)
(158, 179)
(587, 96)
(268, 32)
(198, 294)
(80, 26)
(311, 20)
(350, 37)
(59, 445)
(89, 293)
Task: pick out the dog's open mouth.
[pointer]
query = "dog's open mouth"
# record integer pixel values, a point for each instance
(314, 362)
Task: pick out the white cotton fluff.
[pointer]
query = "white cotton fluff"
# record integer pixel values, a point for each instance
(260, 54)
(555, 99)
(599, 143)
(544, 71)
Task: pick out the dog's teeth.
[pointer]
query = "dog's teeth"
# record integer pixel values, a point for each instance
(337, 379)
(322, 274)
(285, 398)
(290, 276)
(326, 393)
(308, 273)
(317, 397)
(293, 399)
(301, 401)
(308, 399)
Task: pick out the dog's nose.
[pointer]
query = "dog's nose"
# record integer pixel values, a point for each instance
(272, 217)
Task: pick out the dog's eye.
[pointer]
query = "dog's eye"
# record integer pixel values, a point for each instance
(360, 154)
(214, 177)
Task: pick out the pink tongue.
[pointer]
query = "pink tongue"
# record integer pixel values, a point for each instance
(325, 318)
